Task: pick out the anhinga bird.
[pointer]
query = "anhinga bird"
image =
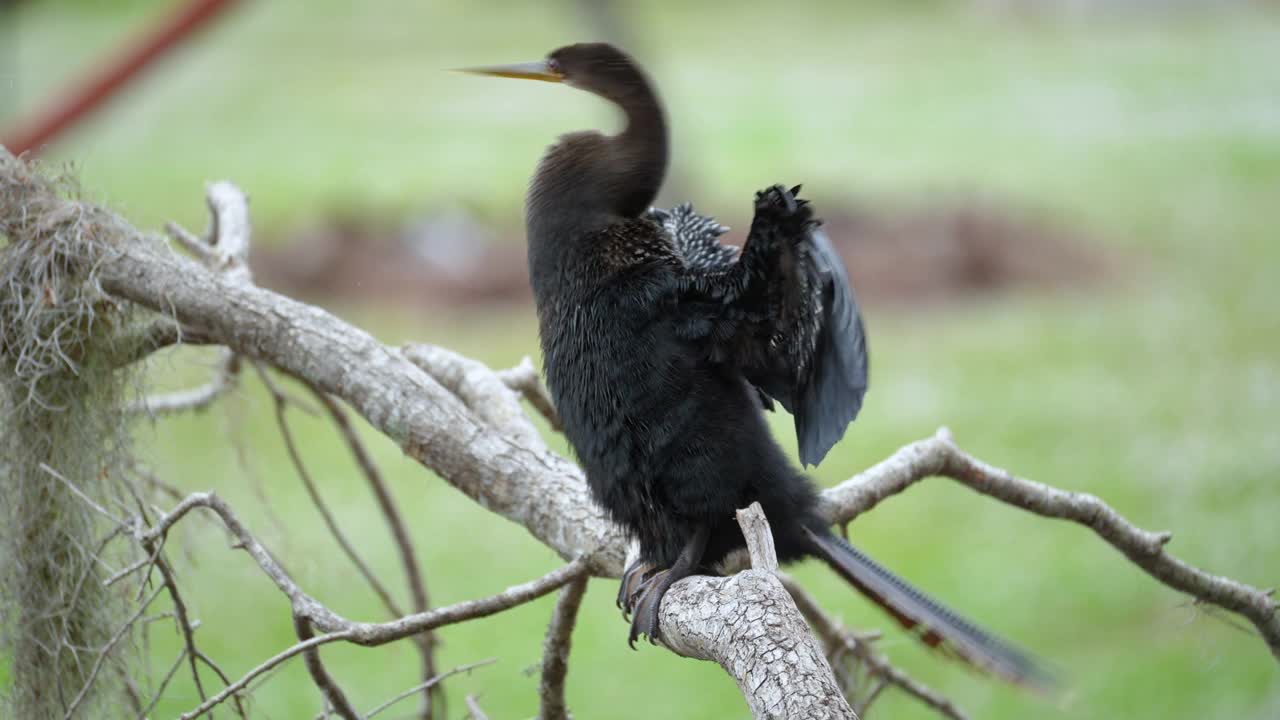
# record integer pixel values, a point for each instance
(662, 347)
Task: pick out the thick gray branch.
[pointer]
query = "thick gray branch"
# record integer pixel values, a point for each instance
(531, 486)
(750, 626)
(782, 671)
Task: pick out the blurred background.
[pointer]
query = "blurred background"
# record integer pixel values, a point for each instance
(1060, 216)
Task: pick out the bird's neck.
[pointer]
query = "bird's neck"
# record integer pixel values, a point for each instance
(589, 181)
(640, 151)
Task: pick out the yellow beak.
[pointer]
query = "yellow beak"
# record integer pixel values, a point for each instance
(536, 70)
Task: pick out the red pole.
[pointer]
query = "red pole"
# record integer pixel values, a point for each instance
(32, 135)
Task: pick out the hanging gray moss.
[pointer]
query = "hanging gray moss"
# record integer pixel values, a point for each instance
(60, 411)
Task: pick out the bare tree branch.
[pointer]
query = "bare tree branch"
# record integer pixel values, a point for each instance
(335, 627)
(229, 231)
(555, 651)
(106, 650)
(750, 626)
(183, 621)
(939, 456)
(164, 683)
(473, 709)
(333, 694)
(755, 529)
(428, 684)
(480, 390)
(523, 378)
(403, 542)
(313, 492)
(193, 399)
(840, 641)
(225, 250)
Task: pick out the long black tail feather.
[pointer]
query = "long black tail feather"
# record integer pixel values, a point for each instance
(935, 625)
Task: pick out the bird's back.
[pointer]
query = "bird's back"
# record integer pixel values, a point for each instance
(666, 435)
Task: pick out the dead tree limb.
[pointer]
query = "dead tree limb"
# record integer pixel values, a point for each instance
(404, 544)
(939, 456)
(311, 614)
(428, 684)
(555, 651)
(464, 422)
(750, 626)
(333, 695)
(841, 642)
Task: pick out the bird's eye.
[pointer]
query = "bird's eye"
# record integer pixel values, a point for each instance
(554, 66)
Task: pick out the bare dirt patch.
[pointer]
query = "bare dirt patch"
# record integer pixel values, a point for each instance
(913, 254)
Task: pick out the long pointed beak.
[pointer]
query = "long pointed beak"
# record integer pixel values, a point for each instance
(536, 70)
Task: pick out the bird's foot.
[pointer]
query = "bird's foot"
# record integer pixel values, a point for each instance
(654, 585)
(784, 208)
(649, 596)
(633, 580)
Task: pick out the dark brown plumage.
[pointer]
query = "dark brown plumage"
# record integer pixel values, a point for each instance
(661, 347)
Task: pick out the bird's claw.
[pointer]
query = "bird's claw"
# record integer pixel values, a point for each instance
(784, 207)
(646, 608)
(634, 580)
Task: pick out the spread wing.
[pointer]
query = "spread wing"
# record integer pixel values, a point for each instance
(782, 311)
(696, 238)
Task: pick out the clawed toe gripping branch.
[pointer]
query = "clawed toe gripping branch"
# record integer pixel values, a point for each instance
(466, 423)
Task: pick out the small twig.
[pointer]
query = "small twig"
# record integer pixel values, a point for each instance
(313, 492)
(265, 666)
(399, 533)
(755, 528)
(194, 245)
(837, 638)
(164, 683)
(119, 522)
(131, 692)
(154, 548)
(333, 694)
(429, 683)
(278, 393)
(193, 399)
(555, 650)
(105, 651)
(229, 230)
(881, 684)
(473, 709)
(225, 249)
(150, 478)
(182, 620)
(523, 378)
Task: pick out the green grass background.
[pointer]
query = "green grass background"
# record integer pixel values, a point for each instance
(1159, 133)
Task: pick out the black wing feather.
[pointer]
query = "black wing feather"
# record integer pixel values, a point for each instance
(696, 238)
(831, 397)
(782, 310)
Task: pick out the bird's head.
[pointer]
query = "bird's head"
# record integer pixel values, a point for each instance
(598, 176)
(598, 68)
